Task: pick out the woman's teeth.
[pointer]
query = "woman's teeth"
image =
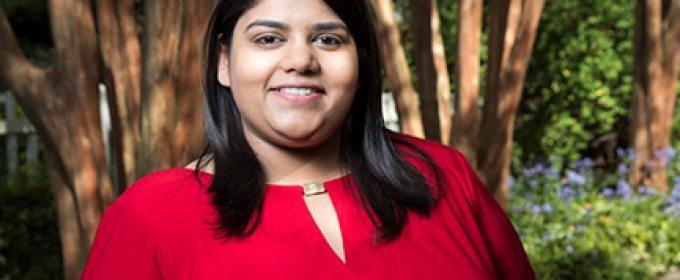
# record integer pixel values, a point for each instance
(297, 91)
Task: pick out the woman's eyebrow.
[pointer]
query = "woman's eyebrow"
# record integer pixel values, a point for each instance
(268, 23)
(322, 26)
(327, 26)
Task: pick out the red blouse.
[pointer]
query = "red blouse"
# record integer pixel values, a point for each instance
(160, 229)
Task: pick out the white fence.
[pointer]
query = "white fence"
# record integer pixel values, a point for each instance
(13, 129)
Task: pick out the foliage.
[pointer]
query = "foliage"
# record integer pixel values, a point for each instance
(591, 225)
(579, 82)
(29, 237)
(30, 21)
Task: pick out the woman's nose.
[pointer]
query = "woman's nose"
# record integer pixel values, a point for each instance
(299, 57)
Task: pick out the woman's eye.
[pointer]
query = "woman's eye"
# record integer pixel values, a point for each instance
(328, 40)
(268, 40)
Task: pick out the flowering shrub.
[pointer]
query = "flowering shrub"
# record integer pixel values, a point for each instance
(583, 223)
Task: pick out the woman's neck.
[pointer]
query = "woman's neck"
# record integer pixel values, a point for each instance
(287, 166)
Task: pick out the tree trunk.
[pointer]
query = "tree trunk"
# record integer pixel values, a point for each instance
(464, 129)
(500, 109)
(73, 141)
(443, 84)
(505, 16)
(397, 69)
(121, 56)
(171, 133)
(421, 24)
(657, 41)
(62, 102)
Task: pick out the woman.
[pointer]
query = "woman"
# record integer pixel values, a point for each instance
(300, 179)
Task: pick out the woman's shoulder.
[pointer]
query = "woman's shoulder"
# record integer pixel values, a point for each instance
(460, 180)
(438, 152)
(163, 190)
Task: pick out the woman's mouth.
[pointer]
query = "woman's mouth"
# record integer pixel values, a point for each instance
(299, 91)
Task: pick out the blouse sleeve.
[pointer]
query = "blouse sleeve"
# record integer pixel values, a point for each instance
(506, 249)
(125, 247)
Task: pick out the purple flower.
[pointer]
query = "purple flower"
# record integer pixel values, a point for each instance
(672, 210)
(580, 228)
(658, 153)
(539, 168)
(536, 209)
(623, 188)
(533, 183)
(570, 249)
(631, 153)
(672, 200)
(671, 152)
(649, 191)
(547, 208)
(585, 163)
(649, 164)
(550, 172)
(676, 191)
(620, 152)
(511, 182)
(546, 236)
(608, 192)
(665, 154)
(642, 190)
(575, 178)
(566, 192)
(529, 172)
(622, 169)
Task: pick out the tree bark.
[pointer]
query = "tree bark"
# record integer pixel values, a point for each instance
(464, 129)
(62, 102)
(121, 57)
(171, 103)
(443, 83)
(500, 111)
(421, 24)
(505, 16)
(657, 37)
(397, 70)
(73, 141)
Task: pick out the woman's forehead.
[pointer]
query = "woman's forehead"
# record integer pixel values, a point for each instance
(289, 12)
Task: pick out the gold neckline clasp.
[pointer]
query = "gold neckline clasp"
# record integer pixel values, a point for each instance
(313, 189)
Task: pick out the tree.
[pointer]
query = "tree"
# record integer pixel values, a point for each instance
(512, 32)
(155, 110)
(74, 147)
(464, 128)
(657, 55)
(513, 29)
(397, 70)
(432, 75)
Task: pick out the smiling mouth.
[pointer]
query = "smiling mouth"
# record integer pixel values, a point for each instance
(300, 91)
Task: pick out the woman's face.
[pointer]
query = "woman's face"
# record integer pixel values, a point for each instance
(293, 71)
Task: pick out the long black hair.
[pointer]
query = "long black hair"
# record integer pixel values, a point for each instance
(388, 185)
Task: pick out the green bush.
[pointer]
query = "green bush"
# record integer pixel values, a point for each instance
(579, 82)
(584, 224)
(29, 236)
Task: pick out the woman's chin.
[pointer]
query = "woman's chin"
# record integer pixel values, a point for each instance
(303, 140)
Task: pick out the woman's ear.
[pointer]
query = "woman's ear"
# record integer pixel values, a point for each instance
(223, 70)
